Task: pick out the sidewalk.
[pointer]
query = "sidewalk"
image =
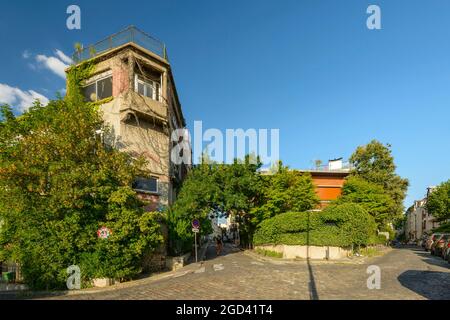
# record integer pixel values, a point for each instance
(189, 268)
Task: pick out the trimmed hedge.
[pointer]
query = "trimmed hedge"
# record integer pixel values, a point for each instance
(338, 225)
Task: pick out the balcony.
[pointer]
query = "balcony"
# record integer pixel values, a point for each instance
(129, 35)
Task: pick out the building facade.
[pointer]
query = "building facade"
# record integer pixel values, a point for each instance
(132, 81)
(329, 180)
(418, 220)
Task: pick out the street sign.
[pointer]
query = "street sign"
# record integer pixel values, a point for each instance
(196, 230)
(195, 224)
(104, 233)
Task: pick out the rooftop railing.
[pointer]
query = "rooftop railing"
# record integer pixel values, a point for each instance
(346, 166)
(130, 34)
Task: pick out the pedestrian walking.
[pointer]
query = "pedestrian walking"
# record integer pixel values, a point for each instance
(219, 245)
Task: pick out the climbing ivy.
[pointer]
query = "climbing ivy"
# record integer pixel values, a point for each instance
(75, 77)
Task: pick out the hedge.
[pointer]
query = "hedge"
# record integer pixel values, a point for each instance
(338, 225)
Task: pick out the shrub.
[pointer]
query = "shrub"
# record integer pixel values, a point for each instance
(377, 239)
(355, 222)
(339, 225)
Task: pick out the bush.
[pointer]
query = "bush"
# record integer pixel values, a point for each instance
(339, 225)
(377, 239)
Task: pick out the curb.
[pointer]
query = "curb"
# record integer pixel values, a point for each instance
(259, 257)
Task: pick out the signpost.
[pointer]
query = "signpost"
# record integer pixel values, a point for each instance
(195, 230)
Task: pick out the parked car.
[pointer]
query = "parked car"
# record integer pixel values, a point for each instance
(438, 245)
(430, 241)
(446, 250)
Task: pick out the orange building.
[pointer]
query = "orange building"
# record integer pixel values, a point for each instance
(329, 180)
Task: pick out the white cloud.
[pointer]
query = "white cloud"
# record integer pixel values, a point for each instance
(63, 57)
(26, 54)
(18, 98)
(53, 64)
(56, 63)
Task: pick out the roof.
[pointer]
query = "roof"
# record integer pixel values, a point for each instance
(129, 35)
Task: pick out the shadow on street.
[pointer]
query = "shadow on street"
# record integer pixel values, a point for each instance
(228, 249)
(432, 285)
(313, 294)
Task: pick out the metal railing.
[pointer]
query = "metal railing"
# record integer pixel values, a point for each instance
(346, 166)
(130, 34)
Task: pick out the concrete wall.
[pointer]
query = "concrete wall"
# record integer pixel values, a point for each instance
(313, 252)
(175, 263)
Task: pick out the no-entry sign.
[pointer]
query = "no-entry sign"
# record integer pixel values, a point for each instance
(195, 224)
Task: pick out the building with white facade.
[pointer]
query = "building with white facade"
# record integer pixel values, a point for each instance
(418, 220)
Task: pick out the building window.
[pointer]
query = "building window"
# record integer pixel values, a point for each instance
(98, 90)
(147, 88)
(146, 185)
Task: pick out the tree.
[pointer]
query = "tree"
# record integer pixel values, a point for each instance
(375, 164)
(286, 190)
(197, 198)
(238, 189)
(214, 189)
(369, 196)
(58, 184)
(438, 203)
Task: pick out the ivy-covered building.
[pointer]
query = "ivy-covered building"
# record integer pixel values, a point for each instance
(131, 79)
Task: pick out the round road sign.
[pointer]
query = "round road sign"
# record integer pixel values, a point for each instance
(195, 224)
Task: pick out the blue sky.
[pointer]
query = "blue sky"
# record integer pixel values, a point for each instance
(310, 68)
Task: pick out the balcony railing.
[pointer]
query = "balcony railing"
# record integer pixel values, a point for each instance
(346, 166)
(130, 34)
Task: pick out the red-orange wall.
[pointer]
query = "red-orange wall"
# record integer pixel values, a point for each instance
(328, 185)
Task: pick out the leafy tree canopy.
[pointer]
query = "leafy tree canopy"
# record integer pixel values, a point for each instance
(286, 190)
(438, 203)
(370, 196)
(58, 185)
(238, 189)
(375, 164)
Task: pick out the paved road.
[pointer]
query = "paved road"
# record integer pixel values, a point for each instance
(406, 273)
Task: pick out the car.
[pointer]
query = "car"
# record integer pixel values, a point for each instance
(438, 245)
(430, 241)
(446, 250)
(448, 254)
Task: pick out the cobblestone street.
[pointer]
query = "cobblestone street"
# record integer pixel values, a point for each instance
(406, 273)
